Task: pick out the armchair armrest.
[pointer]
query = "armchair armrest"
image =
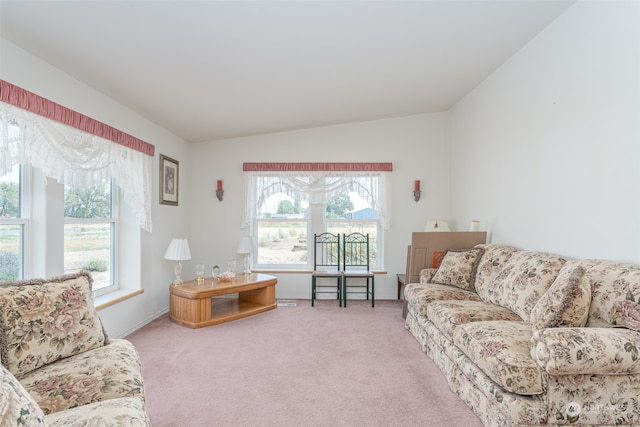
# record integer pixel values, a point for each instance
(426, 274)
(592, 351)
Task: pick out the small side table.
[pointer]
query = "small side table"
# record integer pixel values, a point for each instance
(401, 283)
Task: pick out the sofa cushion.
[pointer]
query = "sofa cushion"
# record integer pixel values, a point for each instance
(615, 293)
(100, 374)
(447, 315)
(493, 259)
(419, 296)
(523, 280)
(17, 407)
(566, 302)
(43, 321)
(124, 411)
(458, 268)
(501, 349)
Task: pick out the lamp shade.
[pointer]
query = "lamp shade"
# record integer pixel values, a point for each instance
(178, 250)
(246, 245)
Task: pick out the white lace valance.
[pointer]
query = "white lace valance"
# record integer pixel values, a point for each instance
(316, 187)
(74, 157)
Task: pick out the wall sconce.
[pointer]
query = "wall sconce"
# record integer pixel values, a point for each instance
(219, 190)
(416, 190)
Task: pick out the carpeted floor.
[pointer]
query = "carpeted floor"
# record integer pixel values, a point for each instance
(296, 366)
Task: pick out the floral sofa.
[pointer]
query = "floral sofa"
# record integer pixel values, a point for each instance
(58, 366)
(529, 338)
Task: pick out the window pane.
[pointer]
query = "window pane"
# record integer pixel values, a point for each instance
(88, 247)
(88, 242)
(11, 261)
(282, 231)
(10, 258)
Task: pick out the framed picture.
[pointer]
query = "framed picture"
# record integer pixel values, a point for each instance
(168, 181)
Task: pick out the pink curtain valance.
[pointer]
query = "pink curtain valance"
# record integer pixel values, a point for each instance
(317, 167)
(29, 101)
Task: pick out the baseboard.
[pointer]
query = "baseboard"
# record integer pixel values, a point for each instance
(143, 323)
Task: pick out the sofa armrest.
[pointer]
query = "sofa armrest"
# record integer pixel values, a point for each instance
(426, 274)
(592, 351)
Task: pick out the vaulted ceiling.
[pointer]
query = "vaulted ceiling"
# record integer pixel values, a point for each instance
(209, 70)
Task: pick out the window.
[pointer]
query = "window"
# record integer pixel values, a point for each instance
(90, 229)
(12, 226)
(290, 208)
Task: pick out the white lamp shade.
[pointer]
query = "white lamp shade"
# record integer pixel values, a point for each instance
(178, 250)
(246, 245)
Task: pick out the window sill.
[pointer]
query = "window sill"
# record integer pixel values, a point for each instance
(265, 271)
(106, 300)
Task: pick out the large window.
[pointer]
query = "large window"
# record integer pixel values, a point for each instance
(289, 209)
(12, 226)
(90, 227)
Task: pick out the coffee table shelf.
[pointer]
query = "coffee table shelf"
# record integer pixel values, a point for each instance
(214, 302)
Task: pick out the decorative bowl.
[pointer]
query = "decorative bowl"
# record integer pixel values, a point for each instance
(227, 276)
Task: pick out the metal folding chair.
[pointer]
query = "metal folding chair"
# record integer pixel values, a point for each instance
(355, 255)
(326, 265)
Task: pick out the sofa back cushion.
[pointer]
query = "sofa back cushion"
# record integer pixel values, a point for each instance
(17, 407)
(566, 303)
(458, 268)
(523, 280)
(491, 263)
(615, 293)
(45, 320)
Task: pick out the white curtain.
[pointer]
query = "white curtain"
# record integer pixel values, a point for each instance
(74, 158)
(317, 187)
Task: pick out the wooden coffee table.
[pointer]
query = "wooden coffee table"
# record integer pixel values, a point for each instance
(214, 302)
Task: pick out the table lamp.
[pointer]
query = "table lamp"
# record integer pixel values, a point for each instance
(246, 248)
(178, 250)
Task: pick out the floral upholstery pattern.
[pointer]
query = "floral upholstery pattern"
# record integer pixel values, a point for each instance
(100, 374)
(124, 411)
(458, 268)
(426, 274)
(615, 288)
(17, 407)
(43, 321)
(446, 315)
(593, 351)
(523, 280)
(491, 263)
(512, 374)
(566, 302)
(420, 296)
(502, 350)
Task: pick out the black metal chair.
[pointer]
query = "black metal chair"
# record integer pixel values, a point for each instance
(355, 253)
(326, 265)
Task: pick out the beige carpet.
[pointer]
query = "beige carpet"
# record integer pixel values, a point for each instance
(296, 366)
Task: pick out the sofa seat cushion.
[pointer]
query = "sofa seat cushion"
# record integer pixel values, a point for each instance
(447, 315)
(124, 411)
(46, 320)
(103, 373)
(502, 349)
(524, 279)
(458, 268)
(17, 407)
(419, 296)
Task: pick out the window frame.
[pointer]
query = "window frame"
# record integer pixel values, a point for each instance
(114, 223)
(317, 222)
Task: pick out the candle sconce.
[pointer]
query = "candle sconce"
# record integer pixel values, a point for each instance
(416, 190)
(219, 190)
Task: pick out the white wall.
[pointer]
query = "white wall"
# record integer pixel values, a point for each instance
(28, 72)
(416, 145)
(546, 151)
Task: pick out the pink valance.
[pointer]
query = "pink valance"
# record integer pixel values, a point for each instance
(317, 167)
(21, 98)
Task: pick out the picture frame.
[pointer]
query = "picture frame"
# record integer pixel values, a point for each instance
(169, 174)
